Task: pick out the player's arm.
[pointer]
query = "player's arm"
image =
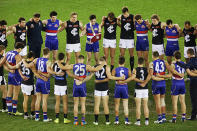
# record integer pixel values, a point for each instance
(7, 69)
(119, 20)
(29, 65)
(178, 28)
(79, 82)
(191, 73)
(2, 61)
(22, 76)
(73, 76)
(81, 26)
(148, 25)
(108, 73)
(163, 25)
(94, 69)
(11, 31)
(99, 31)
(37, 75)
(83, 32)
(44, 22)
(66, 67)
(130, 78)
(63, 26)
(103, 21)
(151, 72)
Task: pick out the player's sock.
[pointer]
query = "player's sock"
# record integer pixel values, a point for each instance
(57, 115)
(163, 115)
(126, 119)
(26, 114)
(32, 113)
(112, 67)
(37, 114)
(174, 116)
(159, 117)
(117, 118)
(82, 118)
(75, 118)
(183, 116)
(146, 119)
(45, 115)
(4, 103)
(138, 119)
(107, 117)
(65, 115)
(131, 62)
(96, 117)
(14, 103)
(9, 104)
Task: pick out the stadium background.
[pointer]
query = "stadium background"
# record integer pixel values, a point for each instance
(177, 10)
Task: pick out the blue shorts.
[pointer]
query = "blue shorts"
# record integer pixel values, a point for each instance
(14, 79)
(51, 43)
(121, 91)
(142, 43)
(171, 47)
(178, 87)
(94, 47)
(42, 87)
(79, 90)
(158, 87)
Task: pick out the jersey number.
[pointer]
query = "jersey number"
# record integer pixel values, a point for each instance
(100, 74)
(10, 57)
(41, 66)
(159, 64)
(80, 71)
(142, 74)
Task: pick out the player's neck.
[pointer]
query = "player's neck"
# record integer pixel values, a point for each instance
(121, 65)
(140, 66)
(178, 60)
(45, 56)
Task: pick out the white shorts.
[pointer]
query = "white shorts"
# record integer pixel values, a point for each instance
(186, 48)
(24, 51)
(158, 48)
(27, 89)
(107, 43)
(126, 43)
(60, 90)
(100, 93)
(141, 93)
(73, 47)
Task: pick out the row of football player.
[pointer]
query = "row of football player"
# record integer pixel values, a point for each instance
(127, 22)
(42, 68)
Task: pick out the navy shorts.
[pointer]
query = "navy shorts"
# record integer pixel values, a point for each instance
(178, 87)
(94, 47)
(158, 87)
(42, 87)
(14, 79)
(171, 47)
(142, 43)
(79, 90)
(52, 44)
(121, 91)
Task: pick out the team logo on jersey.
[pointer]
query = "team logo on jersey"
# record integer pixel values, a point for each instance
(70, 26)
(75, 26)
(19, 31)
(174, 31)
(142, 26)
(56, 25)
(123, 19)
(24, 31)
(49, 25)
(31, 26)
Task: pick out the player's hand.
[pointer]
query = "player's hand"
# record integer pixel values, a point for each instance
(44, 78)
(122, 77)
(12, 71)
(24, 78)
(143, 84)
(78, 82)
(60, 73)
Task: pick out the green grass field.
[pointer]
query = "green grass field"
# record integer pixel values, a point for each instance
(178, 10)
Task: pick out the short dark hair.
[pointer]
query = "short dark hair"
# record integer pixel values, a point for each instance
(53, 13)
(81, 57)
(102, 58)
(2, 47)
(61, 56)
(125, 9)
(187, 22)
(140, 60)
(3, 22)
(190, 51)
(155, 16)
(137, 17)
(73, 13)
(19, 45)
(31, 54)
(37, 15)
(156, 54)
(121, 60)
(21, 19)
(177, 55)
(92, 17)
(46, 51)
(169, 21)
(111, 15)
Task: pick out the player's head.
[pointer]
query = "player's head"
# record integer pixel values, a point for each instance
(121, 60)
(140, 61)
(81, 58)
(125, 10)
(169, 23)
(155, 19)
(46, 52)
(92, 19)
(61, 56)
(102, 60)
(3, 24)
(155, 55)
(53, 15)
(73, 17)
(111, 16)
(22, 22)
(138, 19)
(19, 46)
(190, 52)
(31, 55)
(36, 17)
(187, 25)
(177, 55)
(2, 49)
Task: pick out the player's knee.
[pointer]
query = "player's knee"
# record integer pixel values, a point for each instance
(162, 102)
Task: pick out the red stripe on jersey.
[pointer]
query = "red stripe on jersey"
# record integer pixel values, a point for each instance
(83, 76)
(176, 76)
(51, 31)
(90, 34)
(142, 32)
(173, 37)
(161, 73)
(12, 64)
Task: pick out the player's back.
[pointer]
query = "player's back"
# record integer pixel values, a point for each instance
(41, 65)
(179, 70)
(27, 72)
(141, 74)
(59, 80)
(10, 57)
(122, 71)
(79, 69)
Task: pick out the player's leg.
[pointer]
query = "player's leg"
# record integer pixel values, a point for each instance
(44, 107)
(163, 107)
(174, 104)
(4, 94)
(54, 52)
(146, 110)
(65, 108)
(131, 60)
(112, 56)
(33, 103)
(89, 56)
(76, 56)
(169, 59)
(16, 92)
(183, 106)
(97, 101)
(96, 57)
(139, 54)
(117, 105)
(76, 105)
(9, 97)
(145, 55)
(57, 108)
(83, 110)
(37, 105)
(158, 107)
(122, 51)
(106, 53)
(138, 110)
(68, 57)
(25, 106)
(126, 110)
(105, 100)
